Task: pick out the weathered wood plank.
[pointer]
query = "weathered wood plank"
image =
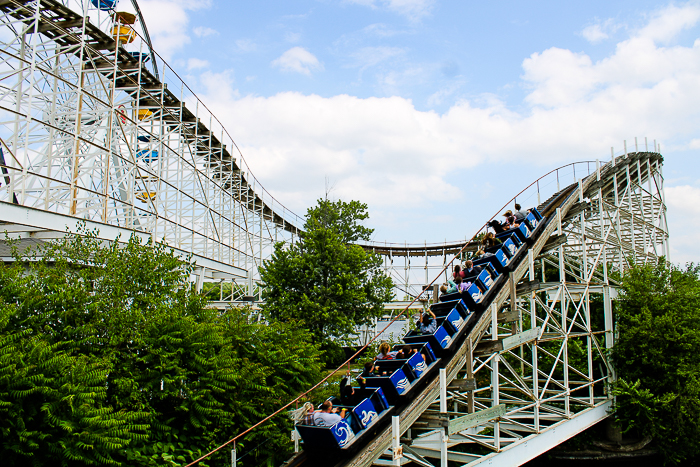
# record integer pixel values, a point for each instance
(508, 317)
(475, 419)
(467, 384)
(521, 338)
(488, 347)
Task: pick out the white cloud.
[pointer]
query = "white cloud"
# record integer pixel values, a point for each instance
(168, 21)
(667, 23)
(398, 159)
(219, 84)
(412, 9)
(442, 94)
(391, 82)
(246, 45)
(380, 30)
(292, 37)
(368, 56)
(195, 63)
(299, 60)
(683, 203)
(600, 31)
(202, 31)
(685, 199)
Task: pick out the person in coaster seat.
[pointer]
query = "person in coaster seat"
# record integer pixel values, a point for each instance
(427, 324)
(470, 269)
(327, 416)
(483, 254)
(510, 221)
(385, 352)
(449, 287)
(347, 392)
(490, 240)
(406, 352)
(462, 286)
(458, 272)
(519, 213)
(370, 370)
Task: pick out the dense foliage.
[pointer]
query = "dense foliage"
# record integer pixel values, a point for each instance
(109, 357)
(325, 280)
(657, 357)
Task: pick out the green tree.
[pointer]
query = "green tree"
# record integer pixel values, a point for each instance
(325, 280)
(109, 356)
(657, 357)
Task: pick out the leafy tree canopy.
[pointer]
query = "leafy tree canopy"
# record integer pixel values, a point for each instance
(108, 356)
(323, 279)
(657, 356)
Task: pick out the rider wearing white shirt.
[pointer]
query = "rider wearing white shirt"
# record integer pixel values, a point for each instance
(326, 417)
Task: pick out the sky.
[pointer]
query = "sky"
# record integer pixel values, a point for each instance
(436, 113)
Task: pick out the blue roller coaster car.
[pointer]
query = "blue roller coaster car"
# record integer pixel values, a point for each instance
(496, 262)
(371, 407)
(448, 329)
(476, 295)
(397, 381)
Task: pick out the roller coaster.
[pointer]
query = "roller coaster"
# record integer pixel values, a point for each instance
(97, 130)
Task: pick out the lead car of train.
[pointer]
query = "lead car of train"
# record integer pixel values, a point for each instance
(403, 379)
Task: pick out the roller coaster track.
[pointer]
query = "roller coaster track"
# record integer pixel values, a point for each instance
(58, 23)
(90, 132)
(624, 175)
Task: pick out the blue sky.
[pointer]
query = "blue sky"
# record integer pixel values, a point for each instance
(427, 109)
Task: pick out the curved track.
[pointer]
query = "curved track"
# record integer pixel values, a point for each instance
(91, 131)
(104, 130)
(559, 210)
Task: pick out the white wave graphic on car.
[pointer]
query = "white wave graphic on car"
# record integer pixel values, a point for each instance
(343, 431)
(367, 417)
(446, 341)
(403, 384)
(458, 323)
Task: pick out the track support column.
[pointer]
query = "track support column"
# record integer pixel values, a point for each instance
(397, 452)
(443, 409)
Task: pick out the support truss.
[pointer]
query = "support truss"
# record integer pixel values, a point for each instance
(88, 130)
(534, 371)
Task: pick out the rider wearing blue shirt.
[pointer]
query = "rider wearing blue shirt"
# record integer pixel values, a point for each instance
(427, 323)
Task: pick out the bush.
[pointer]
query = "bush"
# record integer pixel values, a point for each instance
(109, 356)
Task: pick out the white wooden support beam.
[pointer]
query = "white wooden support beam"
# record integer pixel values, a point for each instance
(397, 452)
(200, 278)
(443, 390)
(443, 409)
(295, 438)
(475, 419)
(537, 444)
(443, 448)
